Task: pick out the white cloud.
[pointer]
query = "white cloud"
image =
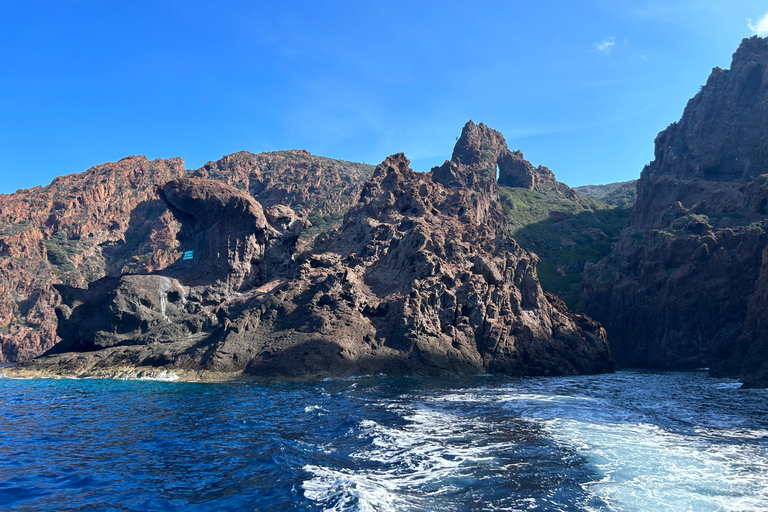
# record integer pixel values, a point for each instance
(761, 27)
(606, 45)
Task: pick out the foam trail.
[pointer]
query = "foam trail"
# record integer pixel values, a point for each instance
(410, 466)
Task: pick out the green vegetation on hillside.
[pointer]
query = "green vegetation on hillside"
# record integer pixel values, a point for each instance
(14, 229)
(565, 234)
(321, 224)
(622, 193)
(60, 249)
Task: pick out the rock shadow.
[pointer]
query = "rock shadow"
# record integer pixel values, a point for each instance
(144, 219)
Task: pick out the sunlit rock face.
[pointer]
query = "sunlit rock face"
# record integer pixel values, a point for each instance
(422, 278)
(485, 150)
(109, 220)
(685, 286)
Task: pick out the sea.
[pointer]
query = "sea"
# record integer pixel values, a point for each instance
(629, 441)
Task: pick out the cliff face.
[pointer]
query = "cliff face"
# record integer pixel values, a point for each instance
(423, 278)
(234, 245)
(79, 228)
(109, 220)
(687, 271)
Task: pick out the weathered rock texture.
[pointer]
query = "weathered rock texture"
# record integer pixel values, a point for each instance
(685, 285)
(486, 149)
(79, 228)
(109, 220)
(236, 246)
(422, 279)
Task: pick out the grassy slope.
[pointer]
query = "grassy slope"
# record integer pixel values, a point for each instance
(621, 193)
(575, 233)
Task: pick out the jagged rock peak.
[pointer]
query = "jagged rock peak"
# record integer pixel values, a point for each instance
(686, 285)
(479, 146)
(396, 190)
(397, 162)
(516, 171)
(733, 147)
(422, 279)
(751, 48)
(484, 151)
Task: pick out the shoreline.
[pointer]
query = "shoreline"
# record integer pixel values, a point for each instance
(145, 373)
(162, 374)
(153, 374)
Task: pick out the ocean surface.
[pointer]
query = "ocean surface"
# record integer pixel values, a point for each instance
(631, 441)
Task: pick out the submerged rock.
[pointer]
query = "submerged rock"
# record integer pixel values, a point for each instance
(421, 279)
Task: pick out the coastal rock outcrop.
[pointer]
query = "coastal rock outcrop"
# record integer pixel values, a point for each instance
(102, 222)
(109, 220)
(424, 279)
(685, 286)
(421, 279)
(231, 244)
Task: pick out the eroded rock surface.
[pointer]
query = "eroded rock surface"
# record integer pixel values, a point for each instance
(81, 227)
(484, 148)
(685, 285)
(422, 279)
(109, 220)
(235, 246)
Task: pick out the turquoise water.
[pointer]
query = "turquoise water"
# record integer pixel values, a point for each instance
(631, 441)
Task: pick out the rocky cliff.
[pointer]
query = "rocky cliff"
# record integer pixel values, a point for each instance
(685, 285)
(544, 215)
(422, 278)
(109, 220)
(79, 228)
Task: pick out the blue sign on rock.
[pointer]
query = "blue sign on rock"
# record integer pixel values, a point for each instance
(188, 255)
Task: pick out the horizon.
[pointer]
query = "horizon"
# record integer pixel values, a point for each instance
(583, 90)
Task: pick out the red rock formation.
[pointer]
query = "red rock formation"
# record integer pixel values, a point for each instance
(75, 230)
(109, 220)
(485, 148)
(312, 185)
(422, 279)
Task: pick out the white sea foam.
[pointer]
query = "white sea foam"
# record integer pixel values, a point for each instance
(503, 395)
(641, 449)
(414, 459)
(346, 490)
(646, 468)
(162, 376)
(728, 385)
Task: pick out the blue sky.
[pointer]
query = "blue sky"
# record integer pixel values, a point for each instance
(581, 87)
